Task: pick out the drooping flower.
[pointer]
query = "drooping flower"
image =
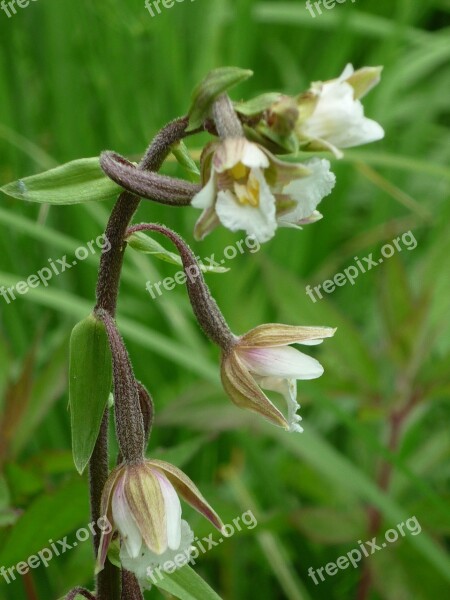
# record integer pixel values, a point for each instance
(141, 502)
(247, 188)
(263, 359)
(260, 359)
(332, 115)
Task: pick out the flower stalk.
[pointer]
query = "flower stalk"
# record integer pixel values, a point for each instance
(127, 404)
(208, 314)
(226, 119)
(108, 581)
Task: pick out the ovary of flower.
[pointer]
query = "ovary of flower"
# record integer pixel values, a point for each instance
(247, 188)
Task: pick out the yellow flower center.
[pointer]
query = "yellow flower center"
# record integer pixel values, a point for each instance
(239, 171)
(246, 186)
(249, 193)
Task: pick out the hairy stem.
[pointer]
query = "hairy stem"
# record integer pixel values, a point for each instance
(108, 584)
(226, 119)
(79, 592)
(131, 589)
(205, 308)
(127, 408)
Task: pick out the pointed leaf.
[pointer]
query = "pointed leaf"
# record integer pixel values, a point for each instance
(257, 105)
(185, 584)
(143, 243)
(72, 183)
(185, 160)
(90, 386)
(215, 83)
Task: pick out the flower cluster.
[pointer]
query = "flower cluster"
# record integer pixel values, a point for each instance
(245, 185)
(248, 188)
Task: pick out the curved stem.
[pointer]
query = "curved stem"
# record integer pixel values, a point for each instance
(129, 420)
(108, 584)
(208, 314)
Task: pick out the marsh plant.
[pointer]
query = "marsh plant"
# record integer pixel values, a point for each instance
(259, 172)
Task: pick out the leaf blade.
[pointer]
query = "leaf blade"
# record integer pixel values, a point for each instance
(90, 376)
(72, 183)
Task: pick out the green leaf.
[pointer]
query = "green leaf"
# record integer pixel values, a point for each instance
(72, 183)
(215, 83)
(143, 243)
(185, 584)
(90, 386)
(257, 105)
(185, 160)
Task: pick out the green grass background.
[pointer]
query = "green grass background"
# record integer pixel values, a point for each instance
(78, 77)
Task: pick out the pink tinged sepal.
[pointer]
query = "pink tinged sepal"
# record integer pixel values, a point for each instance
(244, 391)
(125, 521)
(274, 334)
(297, 224)
(106, 510)
(147, 504)
(186, 488)
(105, 540)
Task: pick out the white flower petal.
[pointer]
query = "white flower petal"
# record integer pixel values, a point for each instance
(284, 362)
(258, 221)
(173, 511)
(338, 118)
(125, 522)
(206, 197)
(309, 191)
(253, 157)
(239, 150)
(148, 563)
(288, 388)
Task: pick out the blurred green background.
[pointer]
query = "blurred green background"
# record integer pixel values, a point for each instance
(78, 77)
